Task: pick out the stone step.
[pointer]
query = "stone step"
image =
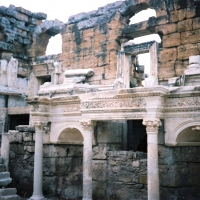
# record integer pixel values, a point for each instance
(2, 168)
(4, 175)
(5, 179)
(7, 192)
(10, 197)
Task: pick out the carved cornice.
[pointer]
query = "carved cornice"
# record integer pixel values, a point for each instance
(152, 124)
(88, 125)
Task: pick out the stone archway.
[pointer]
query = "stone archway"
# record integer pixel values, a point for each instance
(184, 134)
(70, 136)
(67, 163)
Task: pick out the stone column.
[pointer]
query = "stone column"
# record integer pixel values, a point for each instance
(152, 158)
(38, 161)
(88, 127)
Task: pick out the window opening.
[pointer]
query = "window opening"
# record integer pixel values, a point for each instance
(55, 45)
(16, 120)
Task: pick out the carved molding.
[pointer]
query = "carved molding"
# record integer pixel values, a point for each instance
(88, 125)
(152, 124)
(126, 103)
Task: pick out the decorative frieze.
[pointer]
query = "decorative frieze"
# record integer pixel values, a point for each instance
(127, 103)
(185, 101)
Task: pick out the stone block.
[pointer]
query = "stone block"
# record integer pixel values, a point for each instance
(143, 180)
(15, 136)
(167, 175)
(180, 67)
(174, 16)
(190, 37)
(99, 152)
(167, 28)
(99, 189)
(39, 15)
(136, 163)
(99, 170)
(196, 23)
(162, 20)
(165, 73)
(30, 149)
(27, 136)
(165, 55)
(171, 40)
(25, 128)
(54, 151)
(187, 50)
(185, 25)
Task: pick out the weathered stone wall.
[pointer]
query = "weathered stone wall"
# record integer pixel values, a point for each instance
(24, 35)
(179, 172)
(62, 167)
(93, 39)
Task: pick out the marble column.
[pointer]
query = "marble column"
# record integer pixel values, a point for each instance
(38, 162)
(152, 158)
(88, 127)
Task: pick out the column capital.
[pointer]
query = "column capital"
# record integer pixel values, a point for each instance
(152, 124)
(88, 125)
(40, 126)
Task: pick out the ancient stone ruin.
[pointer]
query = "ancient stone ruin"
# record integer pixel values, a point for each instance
(82, 124)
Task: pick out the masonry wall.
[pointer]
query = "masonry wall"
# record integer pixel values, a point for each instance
(179, 172)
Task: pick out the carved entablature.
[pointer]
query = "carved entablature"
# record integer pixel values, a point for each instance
(88, 125)
(125, 103)
(152, 124)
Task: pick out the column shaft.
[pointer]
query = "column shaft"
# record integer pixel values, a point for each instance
(38, 166)
(87, 166)
(152, 163)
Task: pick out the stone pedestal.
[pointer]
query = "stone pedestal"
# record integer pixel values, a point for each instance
(88, 127)
(38, 162)
(152, 158)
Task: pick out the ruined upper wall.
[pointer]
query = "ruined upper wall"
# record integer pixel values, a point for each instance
(93, 39)
(23, 34)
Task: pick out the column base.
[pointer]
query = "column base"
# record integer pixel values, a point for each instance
(37, 197)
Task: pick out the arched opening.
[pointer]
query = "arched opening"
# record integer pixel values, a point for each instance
(189, 136)
(71, 136)
(55, 45)
(66, 164)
